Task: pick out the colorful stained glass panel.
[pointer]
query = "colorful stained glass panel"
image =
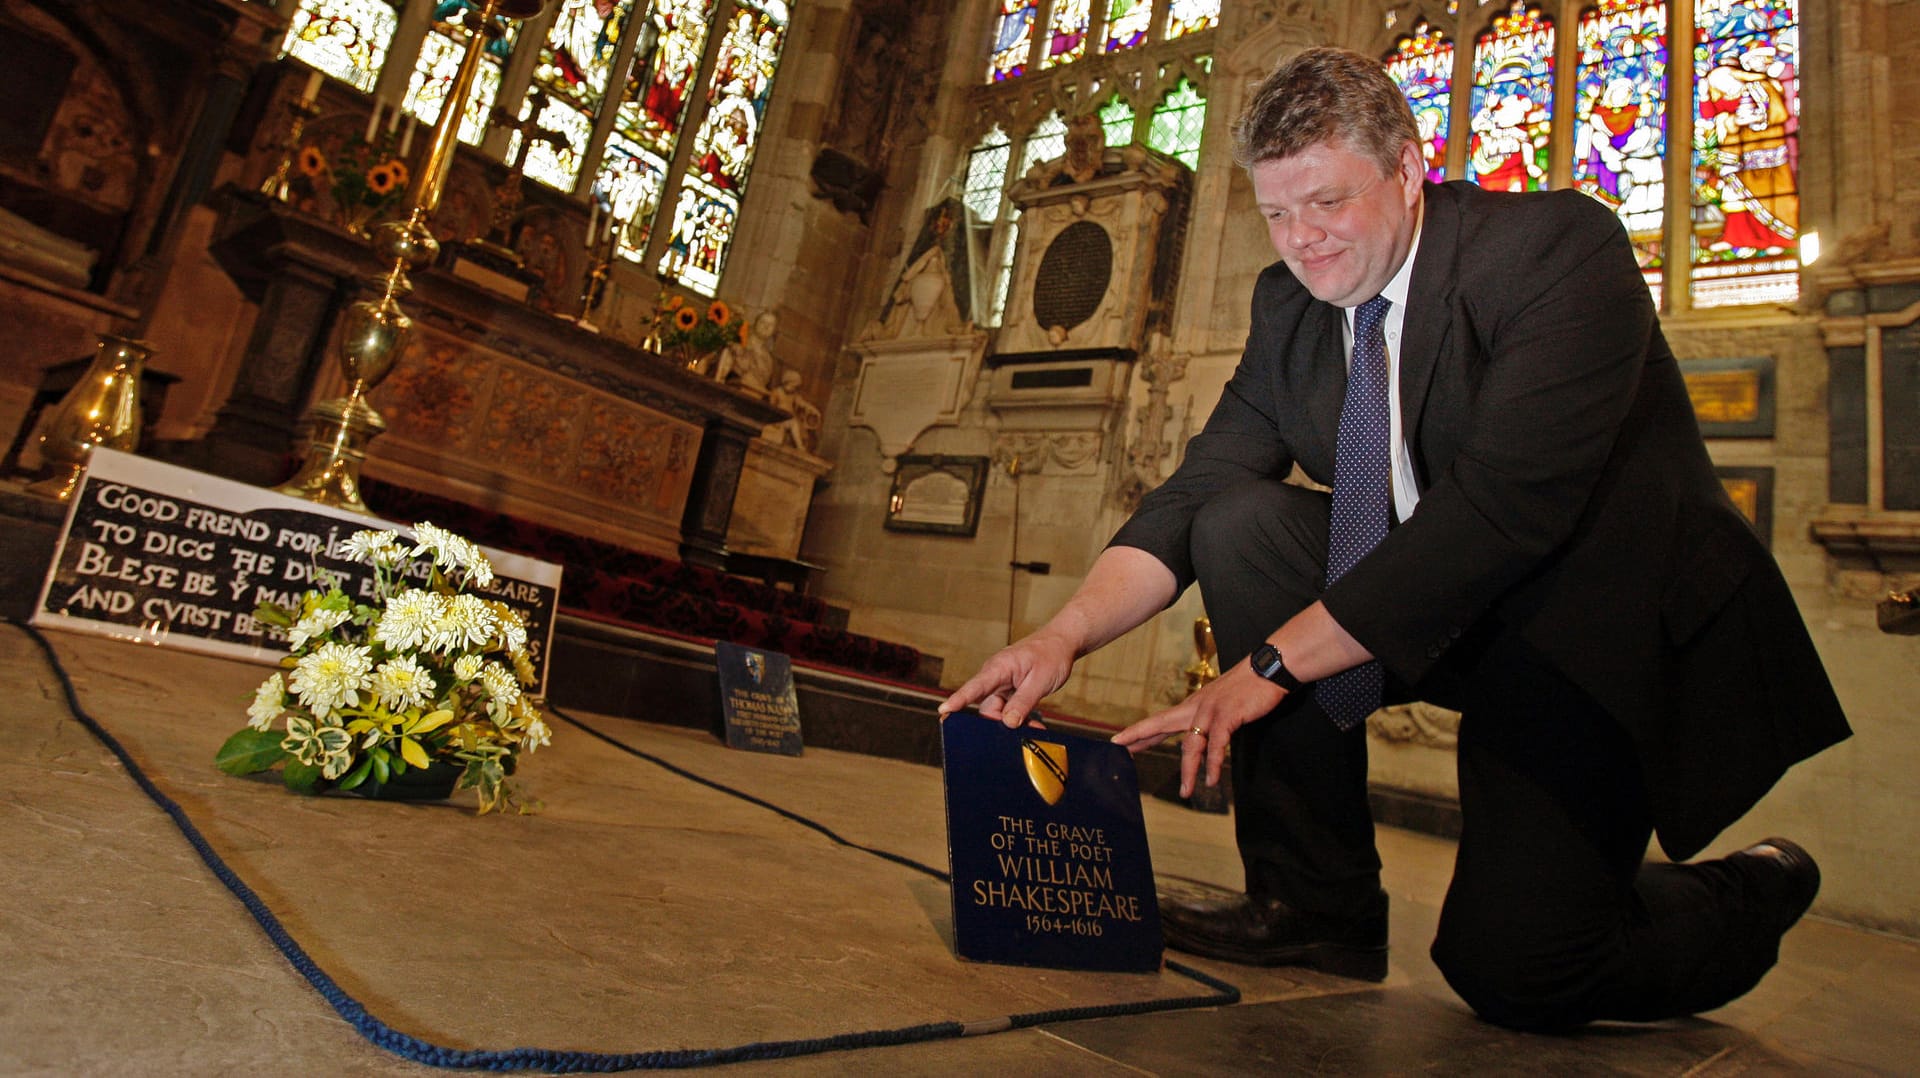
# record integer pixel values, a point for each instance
(1421, 64)
(1067, 38)
(703, 224)
(661, 86)
(555, 163)
(1746, 148)
(344, 38)
(1012, 39)
(631, 179)
(578, 55)
(1127, 22)
(1620, 118)
(737, 97)
(1511, 108)
(1191, 16)
(433, 76)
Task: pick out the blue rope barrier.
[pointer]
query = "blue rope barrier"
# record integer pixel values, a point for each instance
(571, 1062)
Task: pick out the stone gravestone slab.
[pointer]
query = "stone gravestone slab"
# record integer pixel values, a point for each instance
(1048, 849)
(164, 555)
(757, 699)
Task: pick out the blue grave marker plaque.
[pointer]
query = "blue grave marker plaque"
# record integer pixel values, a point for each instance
(1048, 849)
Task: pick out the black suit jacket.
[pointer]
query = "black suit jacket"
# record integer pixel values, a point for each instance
(1565, 494)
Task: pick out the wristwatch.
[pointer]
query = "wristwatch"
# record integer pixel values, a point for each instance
(1266, 662)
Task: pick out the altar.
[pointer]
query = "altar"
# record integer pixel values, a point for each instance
(496, 403)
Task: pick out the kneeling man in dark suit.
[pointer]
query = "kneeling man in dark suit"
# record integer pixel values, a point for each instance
(1524, 526)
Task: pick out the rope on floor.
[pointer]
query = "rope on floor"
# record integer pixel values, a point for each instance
(559, 1061)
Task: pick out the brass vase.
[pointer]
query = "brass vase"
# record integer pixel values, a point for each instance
(103, 408)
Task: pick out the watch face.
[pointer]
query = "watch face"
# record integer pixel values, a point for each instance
(1265, 660)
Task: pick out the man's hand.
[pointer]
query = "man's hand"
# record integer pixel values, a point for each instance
(1015, 679)
(1208, 718)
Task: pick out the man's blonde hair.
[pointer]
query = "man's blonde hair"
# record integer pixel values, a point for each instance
(1325, 94)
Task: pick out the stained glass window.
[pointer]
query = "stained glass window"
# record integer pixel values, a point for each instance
(433, 76)
(1067, 38)
(1191, 16)
(1511, 112)
(1620, 118)
(631, 179)
(1116, 118)
(344, 38)
(661, 86)
(1746, 143)
(579, 51)
(1421, 63)
(1127, 22)
(723, 145)
(1177, 123)
(555, 159)
(1012, 39)
(573, 67)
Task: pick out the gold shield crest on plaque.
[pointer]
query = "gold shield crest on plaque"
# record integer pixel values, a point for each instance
(1046, 768)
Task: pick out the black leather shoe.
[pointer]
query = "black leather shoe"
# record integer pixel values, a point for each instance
(1783, 876)
(1268, 932)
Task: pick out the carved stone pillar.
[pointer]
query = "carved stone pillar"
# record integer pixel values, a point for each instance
(716, 477)
(300, 285)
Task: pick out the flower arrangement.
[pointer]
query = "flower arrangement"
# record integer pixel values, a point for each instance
(694, 334)
(363, 178)
(414, 681)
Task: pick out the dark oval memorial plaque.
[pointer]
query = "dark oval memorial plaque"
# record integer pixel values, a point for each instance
(1073, 276)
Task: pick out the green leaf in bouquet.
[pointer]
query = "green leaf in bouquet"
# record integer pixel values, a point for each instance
(358, 775)
(249, 751)
(302, 778)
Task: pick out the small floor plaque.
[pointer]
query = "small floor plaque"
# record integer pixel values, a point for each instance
(1048, 850)
(757, 699)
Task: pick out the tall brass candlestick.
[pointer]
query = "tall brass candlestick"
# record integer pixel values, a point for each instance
(376, 331)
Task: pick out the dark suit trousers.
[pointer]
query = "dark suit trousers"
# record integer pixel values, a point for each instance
(1552, 920)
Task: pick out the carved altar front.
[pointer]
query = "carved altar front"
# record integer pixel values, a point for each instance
(495, 404)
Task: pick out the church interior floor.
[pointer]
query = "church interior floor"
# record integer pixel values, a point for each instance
(642, 911)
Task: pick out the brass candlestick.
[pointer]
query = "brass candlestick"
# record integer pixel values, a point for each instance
(599, 268)
(275, 186)
(376, 331)
(103, 408)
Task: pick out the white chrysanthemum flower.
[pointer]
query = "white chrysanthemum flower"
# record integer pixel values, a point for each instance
(402, 683)
(513, 629)
(537, 735)
(333, 676)
(374, 547)
(447, 548)
(269, 700)
(479, 569)
(410, 620)
(500, 683)
(328, 747)
(465, 621)
(316, 624)
(466, 668)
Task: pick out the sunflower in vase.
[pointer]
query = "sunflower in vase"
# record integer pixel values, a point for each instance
(404, 697)
(697, 337)
(361, 178)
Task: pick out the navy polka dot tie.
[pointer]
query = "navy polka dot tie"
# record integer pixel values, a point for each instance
(1362, 490)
